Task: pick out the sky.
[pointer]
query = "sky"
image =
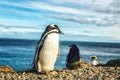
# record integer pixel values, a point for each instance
(80, 20)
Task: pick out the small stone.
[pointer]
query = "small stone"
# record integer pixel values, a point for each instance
(6, 69)
(106, 74)
(106, 78)
(112, 69)
(90, 72)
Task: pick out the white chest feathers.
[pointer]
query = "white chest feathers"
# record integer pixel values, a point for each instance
(94, 62)
(49, 53)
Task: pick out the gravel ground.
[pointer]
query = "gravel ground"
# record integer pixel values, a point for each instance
(88, 73)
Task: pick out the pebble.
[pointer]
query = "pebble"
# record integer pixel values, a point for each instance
(88, 73)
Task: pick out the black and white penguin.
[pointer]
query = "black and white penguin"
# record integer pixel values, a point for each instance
(47, 49)
(94, 60)
(73, 55)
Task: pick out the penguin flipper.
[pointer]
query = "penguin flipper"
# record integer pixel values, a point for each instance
(37, 53)
(58, 53)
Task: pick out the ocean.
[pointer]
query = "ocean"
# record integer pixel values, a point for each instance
(19, 53)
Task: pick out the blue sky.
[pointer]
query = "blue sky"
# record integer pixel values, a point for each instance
(80, 20)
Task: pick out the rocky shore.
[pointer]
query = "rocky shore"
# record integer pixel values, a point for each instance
(84, 72)
(88, 73)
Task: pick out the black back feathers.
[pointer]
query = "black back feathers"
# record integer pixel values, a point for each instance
(73, 55)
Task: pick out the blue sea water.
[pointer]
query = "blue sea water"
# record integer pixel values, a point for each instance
(19, 53)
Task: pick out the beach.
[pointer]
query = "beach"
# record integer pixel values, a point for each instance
(87, 73)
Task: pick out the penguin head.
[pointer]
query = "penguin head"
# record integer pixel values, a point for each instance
(53, 27)
(72, 46)
(94, 57)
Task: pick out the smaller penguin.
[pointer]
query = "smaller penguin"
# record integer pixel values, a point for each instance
(94, 60)
(73, 55)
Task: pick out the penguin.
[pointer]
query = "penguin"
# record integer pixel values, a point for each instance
(94, 60)
(73, 55)
(47, 49)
